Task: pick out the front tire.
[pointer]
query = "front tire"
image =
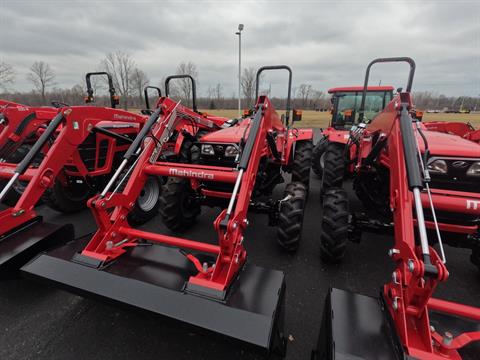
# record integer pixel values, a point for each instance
(318, 156)
(179, 207)
(302, 162)
(290, 219)
(334, 233)
(147, 204)
(334, 170)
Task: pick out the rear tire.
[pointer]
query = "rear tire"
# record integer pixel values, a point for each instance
(147, 204)
(290, 219)
(334, 169)
(334, 233)
(178, 207)
(11, 198)
(302, 162)
(68, 199)
(318, 156)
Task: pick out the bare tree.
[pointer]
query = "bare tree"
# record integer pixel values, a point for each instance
(185, 87)
(42, 76)
(304, 91)
(248, 84)
(7, 75)
(219, 92)
(121, 66)
(139, 80)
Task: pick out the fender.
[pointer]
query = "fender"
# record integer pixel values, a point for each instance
(338, 136)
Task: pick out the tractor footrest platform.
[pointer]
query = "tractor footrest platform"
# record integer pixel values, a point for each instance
(21, 244)
(153, 278)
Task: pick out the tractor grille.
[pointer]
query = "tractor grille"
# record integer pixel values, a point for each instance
(456, 177)
(87, 152)
(219, 158)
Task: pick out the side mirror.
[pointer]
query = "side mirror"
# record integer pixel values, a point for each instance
(247, 113)
(116, 100)
(297, 115)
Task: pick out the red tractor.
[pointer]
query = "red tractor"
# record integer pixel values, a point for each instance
(208, 285)
(286, 150)
(454, 180)
(345, 105)
(23, 125)
(406, 322)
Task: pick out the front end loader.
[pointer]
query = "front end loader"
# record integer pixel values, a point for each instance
(453, 182)
(405, 321)
(210, 286)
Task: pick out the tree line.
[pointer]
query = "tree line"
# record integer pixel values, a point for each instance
(129, 81)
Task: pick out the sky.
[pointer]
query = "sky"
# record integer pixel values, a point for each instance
(326, 43)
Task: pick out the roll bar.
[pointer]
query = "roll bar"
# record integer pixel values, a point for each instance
(411, 73)
(194, 87)
(111, 89)
(145, 93)
(289, 95)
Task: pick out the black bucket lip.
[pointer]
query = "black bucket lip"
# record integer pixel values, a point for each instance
(250, 314)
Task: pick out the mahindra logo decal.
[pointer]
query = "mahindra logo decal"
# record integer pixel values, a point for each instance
(460, 164)
(123, 117)
(473, 204)
(191, 173)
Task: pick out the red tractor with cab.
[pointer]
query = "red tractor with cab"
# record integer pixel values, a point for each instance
(405, 321)
(345, 105)
(362, 153)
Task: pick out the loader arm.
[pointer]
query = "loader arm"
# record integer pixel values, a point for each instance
(419, 269)
(230, 224)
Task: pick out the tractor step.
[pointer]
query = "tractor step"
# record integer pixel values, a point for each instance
(153, 278)
(24, 242)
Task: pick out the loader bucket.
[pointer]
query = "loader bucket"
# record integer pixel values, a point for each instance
(153, 277)
(356, 326)
(21, 244)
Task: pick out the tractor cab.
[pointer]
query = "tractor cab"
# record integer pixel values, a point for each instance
(346, 103)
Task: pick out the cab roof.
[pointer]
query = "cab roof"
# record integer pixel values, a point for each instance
(360, 88)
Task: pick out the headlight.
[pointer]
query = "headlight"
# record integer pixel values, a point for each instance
(207, 150)
(438, 167)
(231, 151)
(474, 169)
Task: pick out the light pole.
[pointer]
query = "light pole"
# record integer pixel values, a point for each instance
(239, 33)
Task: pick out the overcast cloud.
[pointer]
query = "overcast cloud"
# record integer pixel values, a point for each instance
(327, 43)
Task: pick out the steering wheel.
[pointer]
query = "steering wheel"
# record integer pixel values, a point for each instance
(58, 104)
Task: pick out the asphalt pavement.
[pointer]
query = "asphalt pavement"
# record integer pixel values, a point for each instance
(42, 322)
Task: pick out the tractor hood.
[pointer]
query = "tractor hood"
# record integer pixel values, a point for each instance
(450, 145)
(230, 135)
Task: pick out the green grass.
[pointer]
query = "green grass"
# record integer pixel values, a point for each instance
(321, 119)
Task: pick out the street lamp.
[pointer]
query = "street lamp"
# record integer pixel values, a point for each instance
(239, 33)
